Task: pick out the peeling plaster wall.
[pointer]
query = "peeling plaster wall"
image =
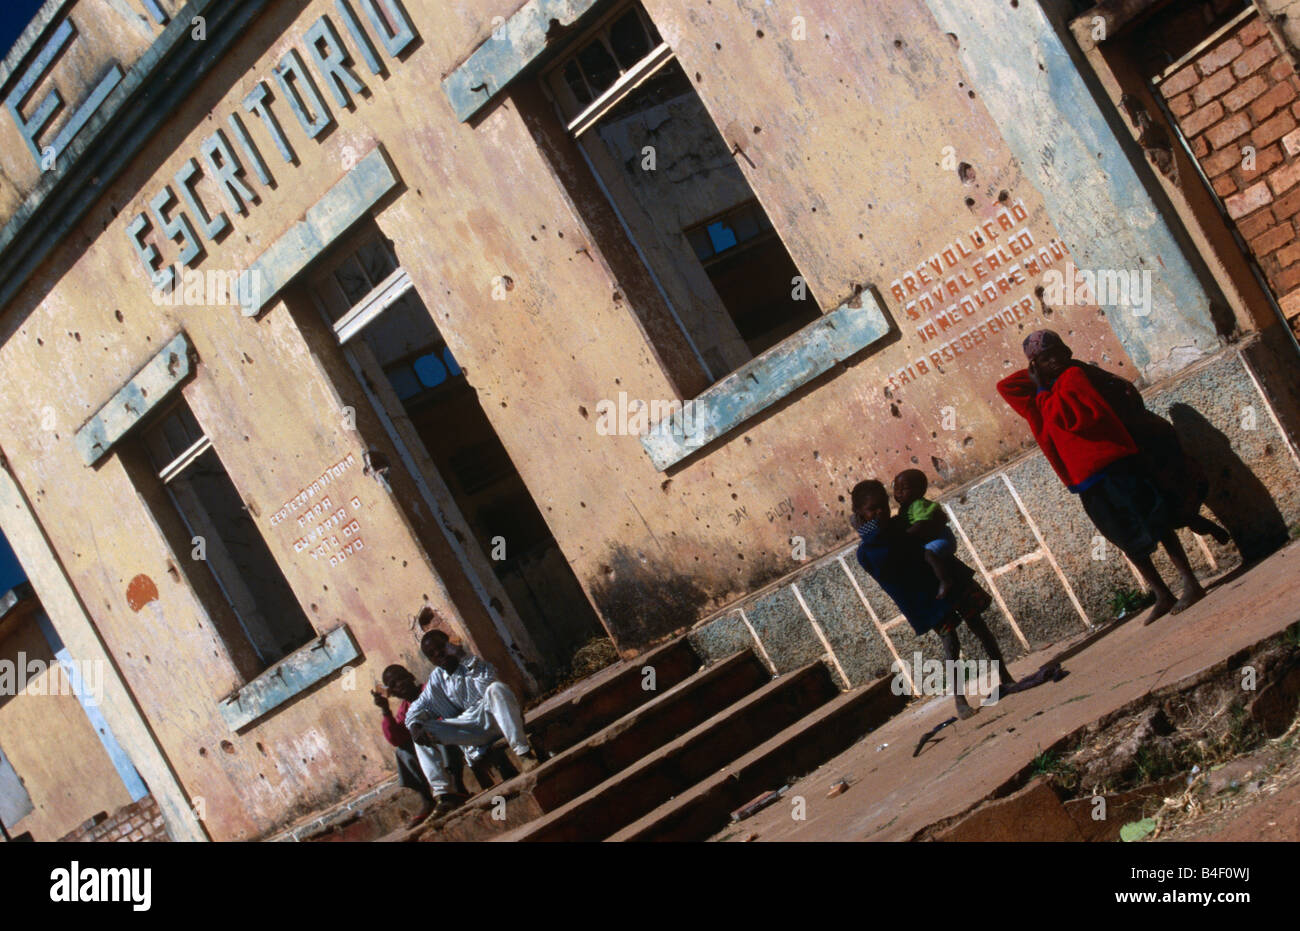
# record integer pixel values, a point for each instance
(50, 742)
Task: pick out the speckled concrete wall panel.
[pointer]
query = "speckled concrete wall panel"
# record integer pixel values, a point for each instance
(787, 636)
(857, 643)
(1223, 421)
(722, 637)
(881, 603)
(1037, 600)
(989, 516)
(907, 644)
(1006, 637)
(1069, 535)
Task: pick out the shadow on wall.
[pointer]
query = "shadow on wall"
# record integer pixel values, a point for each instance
(1237, 498)
(643, 601)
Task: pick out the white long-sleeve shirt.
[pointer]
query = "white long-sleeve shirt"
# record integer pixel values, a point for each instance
(450, 694)
(467, 684)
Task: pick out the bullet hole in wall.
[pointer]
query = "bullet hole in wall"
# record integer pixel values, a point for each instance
(583, 411)
(970, 202)
(759, 33)
(227, 746)
(966, 172)
(118, 315)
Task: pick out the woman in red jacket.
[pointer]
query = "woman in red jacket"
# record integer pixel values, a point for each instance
(1096, 457)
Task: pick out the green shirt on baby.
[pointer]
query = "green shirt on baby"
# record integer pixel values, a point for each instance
(921, 509)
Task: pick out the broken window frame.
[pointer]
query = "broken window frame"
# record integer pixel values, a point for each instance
(580, 117)
(168, 464)
(717, 360)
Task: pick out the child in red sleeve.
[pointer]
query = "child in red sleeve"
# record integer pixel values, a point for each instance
(1096, 458)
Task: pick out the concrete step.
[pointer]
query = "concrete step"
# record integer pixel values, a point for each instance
(678, 765)
(575, 714)
(605, 753)
(706, 807)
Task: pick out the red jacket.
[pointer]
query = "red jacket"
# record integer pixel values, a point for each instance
(1075, 427)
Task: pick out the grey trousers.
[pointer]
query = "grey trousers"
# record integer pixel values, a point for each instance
(497, 715)
(410, 774)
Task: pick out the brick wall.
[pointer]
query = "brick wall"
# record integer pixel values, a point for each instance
(1239, 95)
(139, 821)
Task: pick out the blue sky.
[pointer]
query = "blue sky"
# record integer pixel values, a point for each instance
(14, 17)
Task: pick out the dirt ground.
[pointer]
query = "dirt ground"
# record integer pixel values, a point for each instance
(1253, 798)
(1187, 667)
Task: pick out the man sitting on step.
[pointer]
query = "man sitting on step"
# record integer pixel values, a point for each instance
(464, 704)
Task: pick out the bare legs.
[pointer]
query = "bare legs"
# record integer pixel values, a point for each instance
(941, 566)
(1192, 591)
(952, 654)
(1165, 601)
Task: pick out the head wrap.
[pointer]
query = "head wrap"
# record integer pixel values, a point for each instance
(1040, 341)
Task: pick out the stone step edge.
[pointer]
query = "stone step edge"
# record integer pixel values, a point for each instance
(549, 711)
(740, 781)
(517, 785)
(790, 680)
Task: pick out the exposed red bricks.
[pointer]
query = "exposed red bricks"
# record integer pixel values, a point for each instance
(1249, 200)
(1280, 95)
(1218, 57)
(1273, 129)
(1242, 93)
(1227, 130)
(1256, 57)
(1242, 122)
(1252, 32)
(139, 821)
(1212, 87)
(1180, 82)
(1257, 224)
(1274, 238)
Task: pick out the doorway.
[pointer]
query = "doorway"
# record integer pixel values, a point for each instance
(388, 334)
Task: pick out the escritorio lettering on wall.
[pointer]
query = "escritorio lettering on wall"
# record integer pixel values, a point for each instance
(231, 158)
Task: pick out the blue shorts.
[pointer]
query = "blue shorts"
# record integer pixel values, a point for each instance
(945, 545)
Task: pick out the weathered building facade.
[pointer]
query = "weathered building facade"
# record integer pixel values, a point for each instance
(574, 317)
